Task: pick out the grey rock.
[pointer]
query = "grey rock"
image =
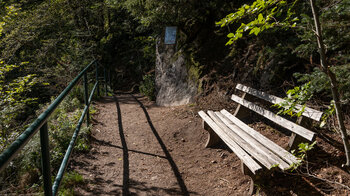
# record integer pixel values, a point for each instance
(173, 86)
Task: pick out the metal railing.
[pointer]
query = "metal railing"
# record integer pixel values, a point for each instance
(41, 124)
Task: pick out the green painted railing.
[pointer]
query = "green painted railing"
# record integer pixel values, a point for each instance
(41, 124)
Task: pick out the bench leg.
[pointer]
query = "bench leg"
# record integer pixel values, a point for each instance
(241, 111)
(295, 139)
(246, 171)
(213, 138)
(257, 179)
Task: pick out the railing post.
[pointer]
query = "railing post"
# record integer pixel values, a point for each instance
(105, 78)
(86, 98)
(98, 87)
(45, 159)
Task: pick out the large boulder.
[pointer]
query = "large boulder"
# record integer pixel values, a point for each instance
(173, 84)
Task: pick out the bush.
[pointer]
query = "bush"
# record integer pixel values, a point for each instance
(25, 169)
(147, 86)
(319, 82)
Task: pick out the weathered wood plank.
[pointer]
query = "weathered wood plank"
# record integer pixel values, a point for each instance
(284, 154)
(232, 135)
(245, 157)
(307, 134)
(308, 112)
(253, 142)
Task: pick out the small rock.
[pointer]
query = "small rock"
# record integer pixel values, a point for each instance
(154, 178)
(340, 178)
(183, 140)
(214, 161)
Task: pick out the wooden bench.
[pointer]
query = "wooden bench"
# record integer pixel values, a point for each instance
(257, 153)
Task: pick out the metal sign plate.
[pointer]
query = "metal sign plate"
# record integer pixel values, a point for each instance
(170, 35)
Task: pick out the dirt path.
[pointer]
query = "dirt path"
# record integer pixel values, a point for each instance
(142, 149)
(139, 148)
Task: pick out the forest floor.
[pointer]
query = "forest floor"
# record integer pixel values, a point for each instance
(139, 148)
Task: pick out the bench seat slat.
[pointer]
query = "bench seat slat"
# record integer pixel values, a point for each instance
(256, 153)
(284, 154)
(307, 134)
(253, 142)
(308, 112)
(245, 157)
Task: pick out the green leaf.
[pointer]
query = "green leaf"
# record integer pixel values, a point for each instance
(295, 19)
(260, 18)
(255, 30)
(230, 35)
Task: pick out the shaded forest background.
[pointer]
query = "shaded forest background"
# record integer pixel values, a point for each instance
(44, 44)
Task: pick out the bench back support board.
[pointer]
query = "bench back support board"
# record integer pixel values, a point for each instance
(299, 133)
(308, 112)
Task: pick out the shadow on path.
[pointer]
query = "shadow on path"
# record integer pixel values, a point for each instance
(126, 172)
(104, 143)
(173, 165)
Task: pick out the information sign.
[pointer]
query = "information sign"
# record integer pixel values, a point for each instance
(170, 35)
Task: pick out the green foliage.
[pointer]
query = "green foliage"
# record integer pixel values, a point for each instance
(62, 124)
(295, 97)
(15, 99)
(15, 89)
(158, 14)
(327, 113)
(42, 33)
(267, 14)
(334, 18)
(320, 84)
(70, 180)
(147, 86)
(78, 92)
(301, 154)
(317, 83)
(10, 12)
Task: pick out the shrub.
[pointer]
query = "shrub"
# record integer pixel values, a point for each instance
(147, 86)
(62, 123)
(319, 83)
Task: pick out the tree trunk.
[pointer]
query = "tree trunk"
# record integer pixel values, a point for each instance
(106, 17)
(334, 84)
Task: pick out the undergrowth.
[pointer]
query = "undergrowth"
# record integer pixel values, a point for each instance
(23, 175)
(70, 181)
(147, 86)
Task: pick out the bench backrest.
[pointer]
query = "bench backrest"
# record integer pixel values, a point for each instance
(308, 112)
(295, 128)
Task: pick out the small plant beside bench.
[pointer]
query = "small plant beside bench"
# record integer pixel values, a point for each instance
(257, 153)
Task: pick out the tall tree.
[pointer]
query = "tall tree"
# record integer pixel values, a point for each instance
(334, 82)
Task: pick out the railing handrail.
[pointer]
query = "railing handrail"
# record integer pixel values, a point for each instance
(40, 123)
